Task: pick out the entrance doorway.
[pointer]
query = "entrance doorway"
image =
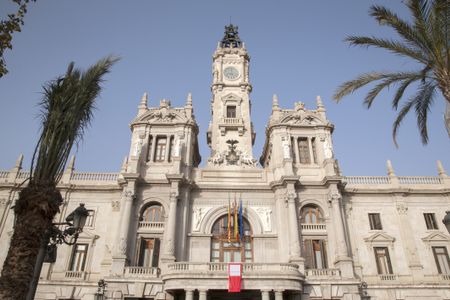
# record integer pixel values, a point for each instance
(225, 295)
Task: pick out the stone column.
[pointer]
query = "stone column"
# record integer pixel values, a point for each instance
(297, 154)
(343, 261)
(169, 237)
(189, 295)
(311, 154)
(166, 155)
(410, 248)
(151, 154)
(278, 295)
(202, 294)
(294, 246)
(120, 249)
(265, 295)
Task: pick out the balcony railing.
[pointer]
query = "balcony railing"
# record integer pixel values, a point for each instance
(388, 277)
(313, 227)
(74, 275)
(231, 121)
(367, 180)
(322, 273)
(141, 272)
(419, 180)
(406, 180)
(151, 226)
(90, 176)
(221, 268)
(4, 174)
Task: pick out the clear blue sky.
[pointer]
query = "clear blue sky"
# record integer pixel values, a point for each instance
(296, 48)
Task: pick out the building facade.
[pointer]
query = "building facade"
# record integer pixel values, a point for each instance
(165, 228)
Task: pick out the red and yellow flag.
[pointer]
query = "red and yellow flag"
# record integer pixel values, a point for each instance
(236, 224)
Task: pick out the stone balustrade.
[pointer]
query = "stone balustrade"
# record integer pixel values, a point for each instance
(23, 175)
(151, 226)
(4, 174)
(403, 180)
(142, 272)
(222, 268)
(231, 121)
(322, 273)
(78, 275)
(91, 176)
(313, 227)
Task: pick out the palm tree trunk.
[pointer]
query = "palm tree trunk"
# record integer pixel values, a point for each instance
(34, 212)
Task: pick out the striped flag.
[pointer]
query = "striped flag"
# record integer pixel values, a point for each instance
(229, 220)
(236, 225)
(241, 221)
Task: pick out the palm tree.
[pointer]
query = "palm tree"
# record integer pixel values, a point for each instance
(425, 41)
(66, 111)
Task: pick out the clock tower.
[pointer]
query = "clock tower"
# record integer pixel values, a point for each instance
(230, 133)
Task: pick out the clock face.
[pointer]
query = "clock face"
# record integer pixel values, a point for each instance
(231, 73)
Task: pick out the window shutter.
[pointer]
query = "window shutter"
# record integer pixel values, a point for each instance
(309, 255)
(155, 257)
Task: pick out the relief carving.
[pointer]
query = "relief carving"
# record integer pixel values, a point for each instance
(265, 215)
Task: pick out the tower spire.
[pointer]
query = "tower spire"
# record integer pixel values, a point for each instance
(231, 38)
(143, 104)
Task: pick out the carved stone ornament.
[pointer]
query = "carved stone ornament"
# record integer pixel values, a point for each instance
(128, 194)
(4, 202)
(123, 246)
(265, 215)
(291, 196)
(232, 157)
(199, 214)
(334, 196)
(402, 208)
(170, 247)
(115, 204)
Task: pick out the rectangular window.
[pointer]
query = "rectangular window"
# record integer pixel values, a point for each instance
(375, 222)
(430, 221)
(79, 256)
(313, 145)
(383, 261)
(303, 151)
(149, 148)
(315, 254)
(90, 218)
(160, 151)
(148, 255)
(171, 144)
(231, 111)
(442, 260)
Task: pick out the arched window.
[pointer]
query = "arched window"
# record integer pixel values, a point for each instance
(152, 213)
(311, 214)
(226, 245)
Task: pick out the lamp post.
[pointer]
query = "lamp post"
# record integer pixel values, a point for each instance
(446, 220)
(100, 295)
(53, 236)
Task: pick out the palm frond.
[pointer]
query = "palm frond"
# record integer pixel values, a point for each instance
(386, 17)
(390, 79)
(401, 115)
(66, 111)
(401, 90)
(390, 45)
(423, 100)
(350, 86)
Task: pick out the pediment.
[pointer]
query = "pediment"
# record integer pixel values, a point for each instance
(163, 115)
(380, 237)
(436, 237)
(231, 97)
(302, 118)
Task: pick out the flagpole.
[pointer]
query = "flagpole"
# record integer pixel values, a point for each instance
(229, 220)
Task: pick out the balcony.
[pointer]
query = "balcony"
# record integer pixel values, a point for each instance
(142, 272)
(231, 123)
(313, 228)
(75, 275)
(215, 275)
(151, 226)
(322, 274)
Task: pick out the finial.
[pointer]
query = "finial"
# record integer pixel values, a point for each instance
(124, 165)
(441, 170)
(143, 104)
(390, 169)
(319, 103)
(275, 102)
(189, 99)
(19, 162)
(231, 38)
(71, 164)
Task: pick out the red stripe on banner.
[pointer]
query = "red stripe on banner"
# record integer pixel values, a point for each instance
(234, 277)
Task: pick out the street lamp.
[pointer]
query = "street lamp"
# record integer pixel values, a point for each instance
(446, 220)
(100, 295)
(53, 236)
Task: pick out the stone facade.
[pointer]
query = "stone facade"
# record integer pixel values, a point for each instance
(158, 229)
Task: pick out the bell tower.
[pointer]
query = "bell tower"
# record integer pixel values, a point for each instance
(230, 133)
